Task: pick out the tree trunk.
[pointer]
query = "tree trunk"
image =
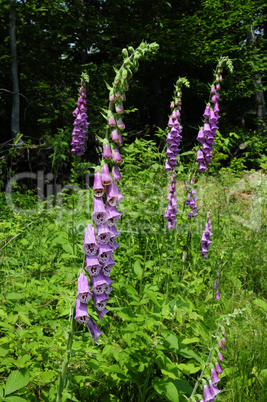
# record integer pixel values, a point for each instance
(259, 94)
(14, 67)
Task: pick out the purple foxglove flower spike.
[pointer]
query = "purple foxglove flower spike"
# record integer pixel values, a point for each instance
(94, 331)
(98, 187)
(80, 124)
(90, 245)
(92, 265)
(84, 294)
(81, 315)
(99, 214)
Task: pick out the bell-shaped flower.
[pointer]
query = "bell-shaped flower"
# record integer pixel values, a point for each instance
(214, 376)
(104, 253)
(113, 215)
(98, 187)
(207, 394)
(112, 194)
(111, 121)
(101, 314)
(90, 245)
(103, 234)
(105, 175)
(218, 368)
(201, 136)
(107, 266)
(213, 389)
(116, 173)
(84, 294)
(116, 156)
(94, 331)
(107, 154)
(100, 301)
(206, 113)
(99, 214)
(120, 124)
(220, 356)
(93, 267)
(119, 108)
(81, 313)
(107, 287)
(217, 295)
(115, 136)
(99, 284)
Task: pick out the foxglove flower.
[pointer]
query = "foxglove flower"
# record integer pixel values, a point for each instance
(214, 376)
(207, 394)
(170, 212)
(80, 123)
(191, 200)
(90, 245)
(84, 294)
(205, 239)
(207, 133)
(94, 331)
(213, 389)
(98, 187)
(99, 214)
(81, 315)
(218, 368)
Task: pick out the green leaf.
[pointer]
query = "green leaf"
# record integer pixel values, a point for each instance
(1, 392)
(260, 303)
(16, 380)
(14, 398)
(167, 388)
(137, 269)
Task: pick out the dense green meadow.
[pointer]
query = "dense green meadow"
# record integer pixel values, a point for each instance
(163, 315)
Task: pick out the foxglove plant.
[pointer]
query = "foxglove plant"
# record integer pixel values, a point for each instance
(205, 239)
(191, 199)
(173, 140)
(210, 381)
(207, 132)
(101, 233)
(80, 123)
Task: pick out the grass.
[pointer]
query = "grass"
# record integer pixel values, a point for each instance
(163, 315)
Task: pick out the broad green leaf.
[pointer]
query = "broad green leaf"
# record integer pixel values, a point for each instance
(16, 380)
(137, 269)
(14, 398)
(15, 296)
(47, 376)
(1, 392)
(166, 388)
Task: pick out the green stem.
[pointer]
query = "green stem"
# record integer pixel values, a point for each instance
(63, 374)
(144, 268)
(211, 350)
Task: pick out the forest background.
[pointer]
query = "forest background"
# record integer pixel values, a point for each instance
(56, 41)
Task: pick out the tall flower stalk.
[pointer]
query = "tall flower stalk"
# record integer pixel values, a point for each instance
(207, 132)
(173, 140)
(101, 233)
(208, 382)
